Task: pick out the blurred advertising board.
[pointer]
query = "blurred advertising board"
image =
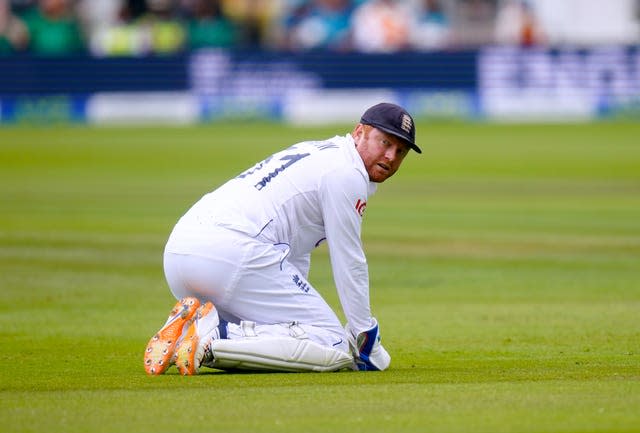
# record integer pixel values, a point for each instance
(559, 84)
(495, 83)
(331, 87)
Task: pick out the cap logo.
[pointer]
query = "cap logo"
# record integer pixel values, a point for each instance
(406, 123)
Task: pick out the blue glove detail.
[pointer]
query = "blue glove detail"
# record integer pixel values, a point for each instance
(365, 342)
(368, 353)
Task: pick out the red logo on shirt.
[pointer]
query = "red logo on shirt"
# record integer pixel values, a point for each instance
(361, 205)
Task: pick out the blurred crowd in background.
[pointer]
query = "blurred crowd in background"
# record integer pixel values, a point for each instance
(143, 27)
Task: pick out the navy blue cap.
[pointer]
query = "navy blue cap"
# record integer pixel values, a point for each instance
(392, 119)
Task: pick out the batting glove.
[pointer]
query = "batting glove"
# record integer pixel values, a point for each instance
(368, 353)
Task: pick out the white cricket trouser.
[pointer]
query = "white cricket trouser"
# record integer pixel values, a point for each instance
(247, 279)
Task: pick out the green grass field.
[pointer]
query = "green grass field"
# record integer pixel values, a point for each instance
(504, 262)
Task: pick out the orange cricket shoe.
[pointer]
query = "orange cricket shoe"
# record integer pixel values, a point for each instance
(160, 351)
(203, 328)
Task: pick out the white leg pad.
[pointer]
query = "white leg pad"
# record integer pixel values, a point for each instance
(277, 354)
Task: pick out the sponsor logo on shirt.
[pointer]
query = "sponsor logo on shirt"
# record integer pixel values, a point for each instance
(361, 205)
(300, 282)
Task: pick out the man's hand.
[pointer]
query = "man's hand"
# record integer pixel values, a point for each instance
(368, 353)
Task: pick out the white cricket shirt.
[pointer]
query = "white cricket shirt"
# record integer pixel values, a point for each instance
(299, 197)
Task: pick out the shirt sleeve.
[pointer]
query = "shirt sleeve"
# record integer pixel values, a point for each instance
(343, 196)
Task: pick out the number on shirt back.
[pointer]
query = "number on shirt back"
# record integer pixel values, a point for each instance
(268, 171)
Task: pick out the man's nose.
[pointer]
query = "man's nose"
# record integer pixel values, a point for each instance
(391, 153)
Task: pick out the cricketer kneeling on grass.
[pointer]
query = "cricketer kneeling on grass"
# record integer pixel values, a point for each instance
(238, 260)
